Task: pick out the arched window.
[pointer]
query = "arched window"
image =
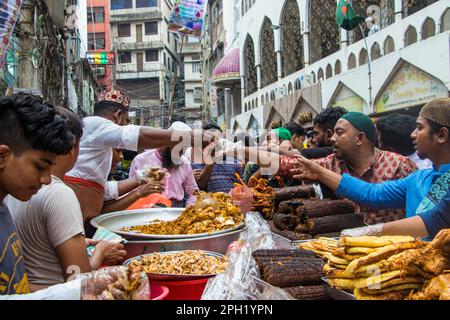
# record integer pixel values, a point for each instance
(363, 57)
(320, 75)
(267, 98)
(324, 34)
(376, 51)
(298, 84)
(428, 28)
(351, 62)
(250, 67)
(290, 88)
(337, 67)
(262, 100)
(389, 45)
(253, 104)
(245, 107)
(272, 95)
(313, 77)
(410, 36)
(329, 71)
(445, 21)
(291, 39)
(257, 103)
(269, 70)
(412, 6)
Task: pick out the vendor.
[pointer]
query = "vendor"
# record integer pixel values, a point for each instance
(180, 184)
(420, 193)
(106, 130)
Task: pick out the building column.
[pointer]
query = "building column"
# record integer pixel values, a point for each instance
(228, 107)
(398, 10)
(306, 57)
(278, 53)
(259, 78)
(26, 70)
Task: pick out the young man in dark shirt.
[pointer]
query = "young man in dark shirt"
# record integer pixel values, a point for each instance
(32, 135)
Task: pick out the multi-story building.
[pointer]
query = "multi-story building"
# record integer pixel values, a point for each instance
(99, 38)
(146, 57)
(297, 61)
(193, 90)
(222, 85)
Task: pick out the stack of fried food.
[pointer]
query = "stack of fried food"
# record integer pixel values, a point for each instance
(264, 198)
(211, 213)
(298, 272)
(322, 246)
(390, 268)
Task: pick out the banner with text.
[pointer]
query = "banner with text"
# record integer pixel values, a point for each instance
(9, 10)
(187, 17)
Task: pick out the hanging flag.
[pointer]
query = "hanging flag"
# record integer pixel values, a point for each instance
(9, 10)
(346, 17)
(187, 17)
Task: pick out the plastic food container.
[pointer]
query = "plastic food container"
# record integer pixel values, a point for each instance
(184, 290)
(158, 292)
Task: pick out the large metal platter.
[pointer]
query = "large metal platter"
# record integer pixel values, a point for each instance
(116, 221)
(175, 277)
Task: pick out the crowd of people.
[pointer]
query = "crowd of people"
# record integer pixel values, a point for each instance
(56, 169)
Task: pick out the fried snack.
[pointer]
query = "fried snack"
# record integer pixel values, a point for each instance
(125, 287)
(211, 213)
(336, 260)
(342, 284)
(395, 295)
(377, 280)
(181, 263)
(437, 288)
(320, 246)
(264, 197)
(381, 254)
(360, 250)
(400, 287)
(153, 174)
(372, 242)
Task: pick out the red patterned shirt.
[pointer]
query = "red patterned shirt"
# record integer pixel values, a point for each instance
(385, 166)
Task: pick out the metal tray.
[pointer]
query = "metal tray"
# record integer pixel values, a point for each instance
(337, 294)
(175, 277)
(118, 220)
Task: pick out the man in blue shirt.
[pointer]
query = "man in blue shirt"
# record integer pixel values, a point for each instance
(420, 192)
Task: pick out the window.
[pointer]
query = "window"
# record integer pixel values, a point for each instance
(125, 57)
(151, 55)
(96, 15)
(124, 30)
(196, 67)
(165, 58)
(174, 67)
(146, 3)
(198, 95)
(100, 71)
(196, 57)
(96, 41)
(121, 4)
(151, 28)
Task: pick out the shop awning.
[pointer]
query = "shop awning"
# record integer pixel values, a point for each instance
(227, 72)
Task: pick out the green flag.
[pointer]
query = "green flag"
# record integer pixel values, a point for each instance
(346, 17)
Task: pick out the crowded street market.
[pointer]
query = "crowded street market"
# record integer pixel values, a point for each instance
(220, 150)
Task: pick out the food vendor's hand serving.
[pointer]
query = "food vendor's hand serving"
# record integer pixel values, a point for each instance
(154, 187)
(306, 170)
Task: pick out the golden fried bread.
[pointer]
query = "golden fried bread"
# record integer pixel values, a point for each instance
(372, 242)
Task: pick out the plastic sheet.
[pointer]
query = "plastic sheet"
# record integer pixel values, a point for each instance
(241, 279)
(115, 283)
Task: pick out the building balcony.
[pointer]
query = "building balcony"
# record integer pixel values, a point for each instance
(138, 46)
(119, 16)
(149, 70)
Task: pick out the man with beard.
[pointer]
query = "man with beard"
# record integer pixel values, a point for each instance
(423, 193)
(324, 125)
(180, 184)
(355, 154)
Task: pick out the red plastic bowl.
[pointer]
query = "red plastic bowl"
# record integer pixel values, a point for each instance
(158, 292)
(184, 290)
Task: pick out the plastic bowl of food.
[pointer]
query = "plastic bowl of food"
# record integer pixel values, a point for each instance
(184, 290)
(158, 292)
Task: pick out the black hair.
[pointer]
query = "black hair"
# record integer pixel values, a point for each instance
(211, 126)
(177, 118)
(73, 122)
(310, 134)
(27, 122)
(295, 128)
(328, 118)
(104, 107)
(435, 128)
(395, 132)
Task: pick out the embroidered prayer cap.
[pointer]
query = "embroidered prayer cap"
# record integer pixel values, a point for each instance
(180, 126)
(437, 111)
(115, 96)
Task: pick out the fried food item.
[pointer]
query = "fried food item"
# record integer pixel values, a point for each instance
(181, 263)
(381, 254)
(336, 260)
(437, 288)
(125, 287)
(360, 250)
(400, 287)
(342, 284)
(320, 246)
(395, 295)
(372, 242)
(264, 197)
(211, 213)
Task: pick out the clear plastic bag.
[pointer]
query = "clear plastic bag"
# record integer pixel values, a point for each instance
(116, 283)
(241, 279)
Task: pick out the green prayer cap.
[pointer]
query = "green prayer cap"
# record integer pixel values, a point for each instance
(364, 124)
(283, 134)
